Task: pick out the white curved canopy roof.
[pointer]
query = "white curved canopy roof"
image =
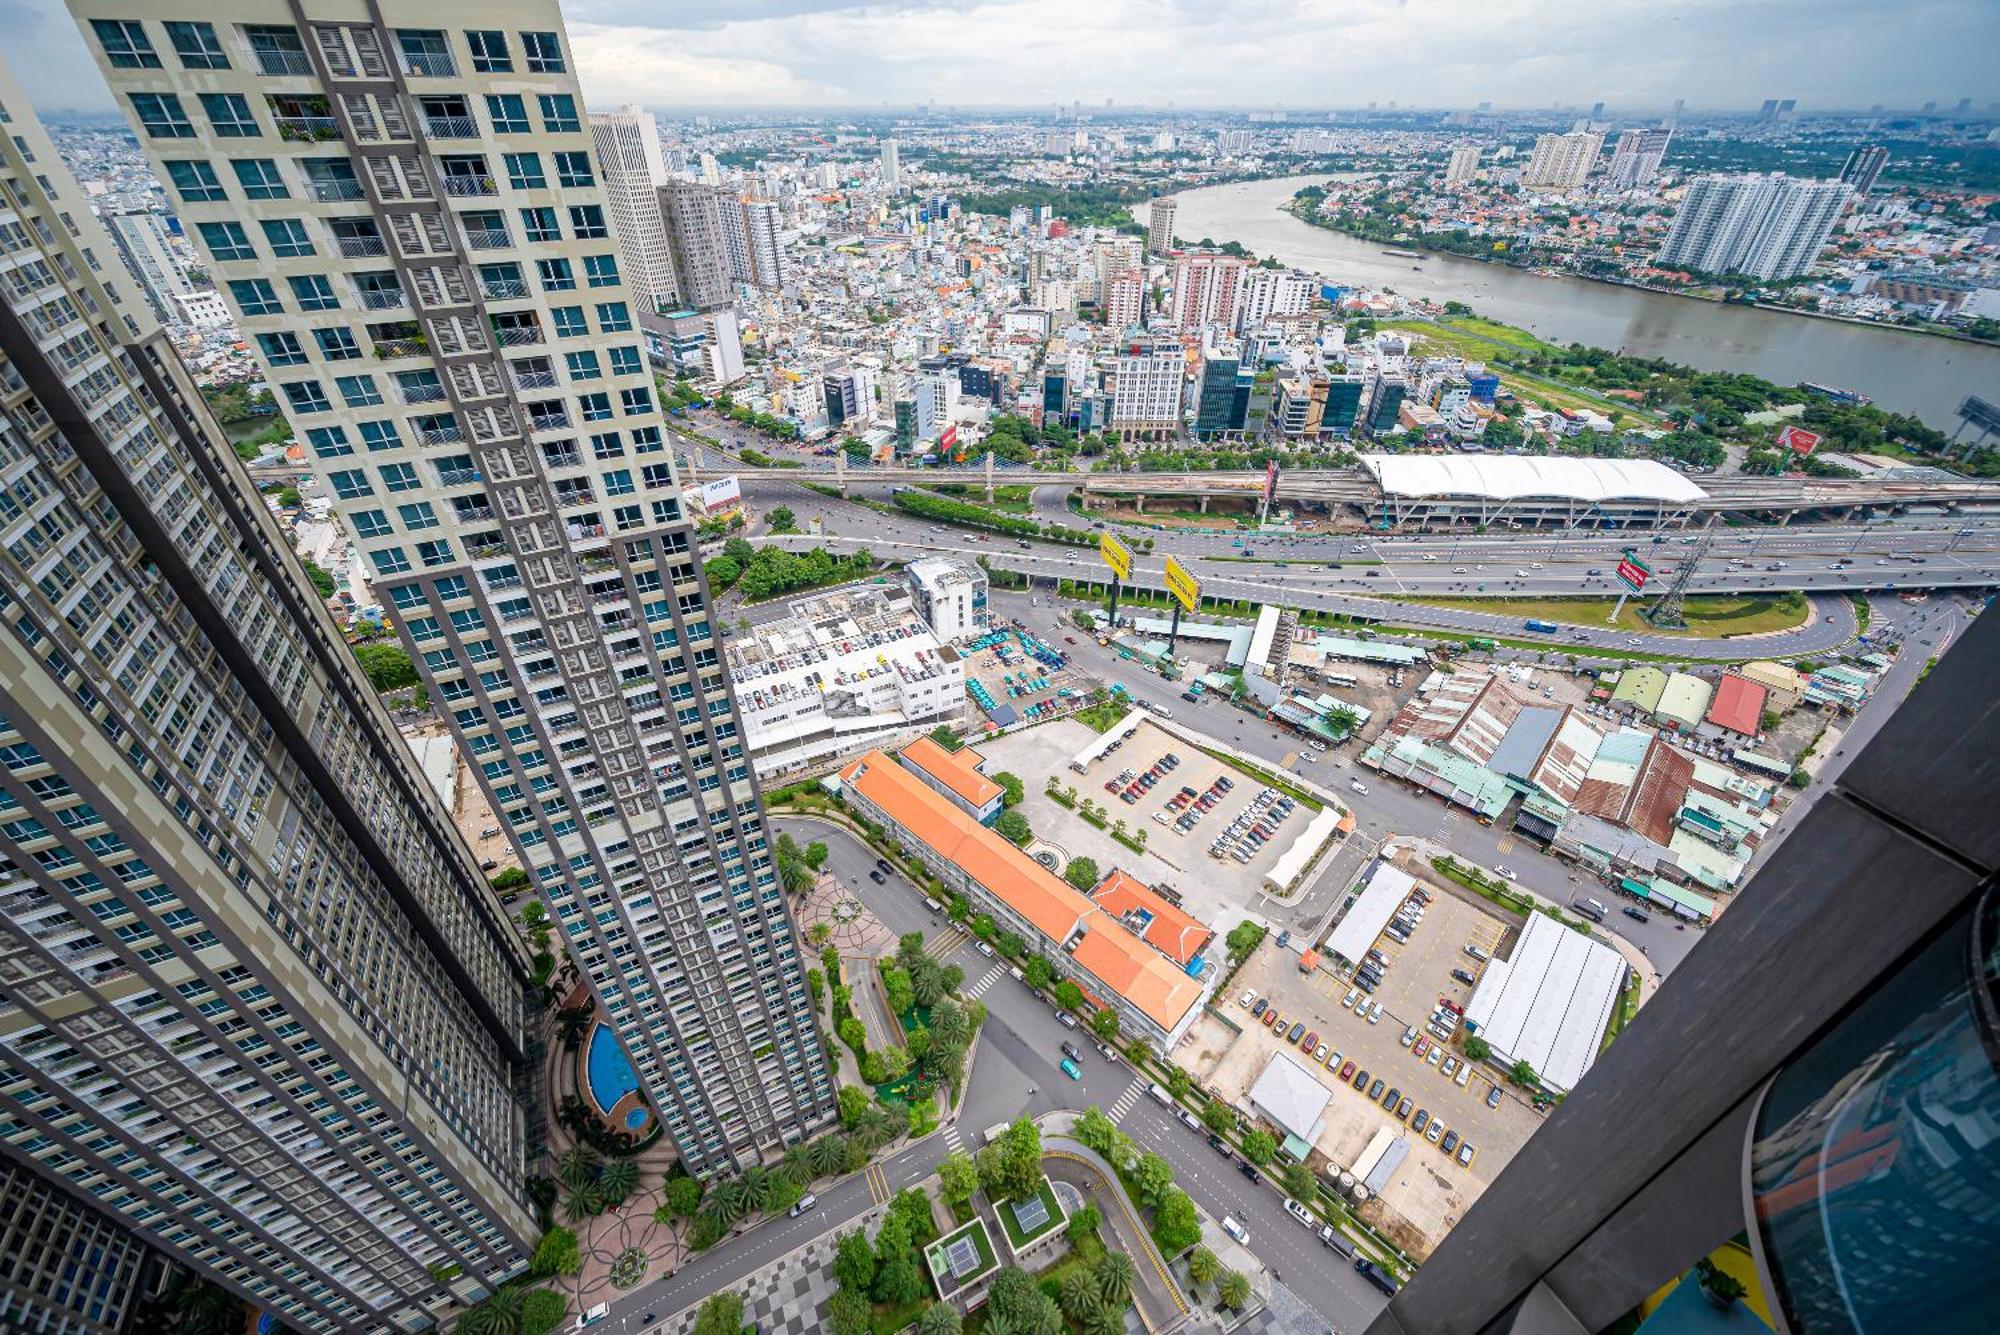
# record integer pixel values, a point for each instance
(1523, 477)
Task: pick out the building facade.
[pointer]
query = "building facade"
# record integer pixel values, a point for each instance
(763, 228)
(502, 463)
(1464, 164)
(1863, 166)
(1562, 161)
(1769, 227)
(67, 1268)
(260, 1006)
(1273, 294)
(628, 152)
(950, 596)
(1160, 226)
(698, 242)
(892, 168)
(1635, 161)
(1206, 286)
(1146, 398)
(142, 241)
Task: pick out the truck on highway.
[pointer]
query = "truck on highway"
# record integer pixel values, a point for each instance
(1486, 646)
(1543, 627)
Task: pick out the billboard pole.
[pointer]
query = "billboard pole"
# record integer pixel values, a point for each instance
(1117, 558)
(1174, 631)
(1113, 613)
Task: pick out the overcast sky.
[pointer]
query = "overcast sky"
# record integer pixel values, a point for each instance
(1833, 54)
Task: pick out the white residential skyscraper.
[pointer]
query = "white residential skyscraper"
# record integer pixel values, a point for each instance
(699, 242)
(1767, 227)
(892, 172)
(763, 228)
(142, 243)
(1464, 164)
(1151, 374)
(1160, 226)
(1635, 161)
(628, 153)
(1562, 161)
(428, 274)
(1269, 294)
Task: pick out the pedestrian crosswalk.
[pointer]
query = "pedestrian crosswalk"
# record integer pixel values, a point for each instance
(986, 980)
(946, 943)
(952, 1141)
(1124, 1102)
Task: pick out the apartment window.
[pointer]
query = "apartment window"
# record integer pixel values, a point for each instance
(358, 391)
(417, 516)
(558, 113)
(556, 275)
(162, 116)
(255, 296)
(626, 361)
(608, 445)
(524, 171)
(540, 225)
(287, 237)
(489, 51)
(426, 52)
(281, 349)
(618, 482)
(336, 345)
(307, 396)
(544, 52)
(568, 321)
(583, 365)
(594, 407)
(399, 477)
(372, 524)
(508, 114)
(380, 436)
(435, 553)
(573, 169)
(195, 180)
(348, 483)
(613, 317)
(586, 222)
(602, 270)
(647, 440)
(226, 240)
(328, 442)
(229, 115)
(196, 45)
(259, 178)
(390, 561)
(125, 44)
(635, 402)
(313, 292)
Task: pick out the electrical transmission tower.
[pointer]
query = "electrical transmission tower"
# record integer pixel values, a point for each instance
(1669, 610)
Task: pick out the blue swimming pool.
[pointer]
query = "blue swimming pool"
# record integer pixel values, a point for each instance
(611, 1074)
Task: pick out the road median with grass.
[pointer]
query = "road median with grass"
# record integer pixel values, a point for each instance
(1709, 616)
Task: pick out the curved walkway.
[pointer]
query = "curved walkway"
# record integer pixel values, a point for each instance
(1159, 1300)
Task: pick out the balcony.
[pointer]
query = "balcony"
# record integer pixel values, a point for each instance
(504, 582)
(487, 238)
(429, 64)
(502, 289)
(518, 336)
(486, 551)
(307, 129)
(482, 512)
(335, 192)
(445, 435)
(555, 421)
(275, 62)
(389, 348)
(385, 299)
(451, 127)
(361, 247)
(423, 393)
(534, 379)
(463, 186)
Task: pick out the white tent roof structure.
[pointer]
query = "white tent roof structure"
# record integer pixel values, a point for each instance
(1548, 1003)
(1357, 930)
(1512, 477)
(1287, 1094)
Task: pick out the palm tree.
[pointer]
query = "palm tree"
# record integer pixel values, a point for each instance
(878, 1127)
(1202, 1267)
(1115, 1277)
(1110, 1321)
(580, 1203)
(1235, 1292)
(727, 1203)
(827, 1154)
(618, 1180)
(1080, 1297)
(498, 1315)
(941, 1319)
(762, 1187)
(998, 1323)
(578, 1168)
(798, 1164)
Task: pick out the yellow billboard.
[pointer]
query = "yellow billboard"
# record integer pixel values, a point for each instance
(1185, 588)
(1116, 555)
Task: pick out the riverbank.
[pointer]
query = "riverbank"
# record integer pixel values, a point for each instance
(1311, 218)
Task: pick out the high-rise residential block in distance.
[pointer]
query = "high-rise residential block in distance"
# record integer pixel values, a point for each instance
(259, 1005)
(763, 226)
(892, 171)
(1863, 166)
(1206, 283)
(1767, 227)
(699, 242)
(67, 1266)
(142, 241)
(1635, 160)
(1464, 164)
(1160, 226)
(1562, 161)
(428, 275)
(628, 153)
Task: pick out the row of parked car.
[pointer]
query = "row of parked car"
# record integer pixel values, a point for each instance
(1332, 1239)
(1131, 785)
(1192, 804)
(1256, 826)
(1403, 1108)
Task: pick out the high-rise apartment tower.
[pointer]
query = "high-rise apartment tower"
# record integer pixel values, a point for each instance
(628, 153)
(1863, 165)
(1160, 226)
(142, 241)
(1464, 164)
(427, 272)
(892, 171)
(1764, 226)
(1635, 161)
(699, 243)
(257, 1004)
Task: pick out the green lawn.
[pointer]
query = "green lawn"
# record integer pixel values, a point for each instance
(1628, 1006)
(1707, 617)
(1482, 340)
(1005, 1212)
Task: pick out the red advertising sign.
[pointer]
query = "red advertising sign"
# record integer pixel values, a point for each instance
(1633, 574)
(1798, 440)
(1270, 483)
(949, 438)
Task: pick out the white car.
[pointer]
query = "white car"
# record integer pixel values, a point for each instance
(1353, 995)
(1300, 1213)
(1235, 1230)
(1358, 786)
(1507, 872)
(1316, 745)
(1374, 1012)
(1248, 999)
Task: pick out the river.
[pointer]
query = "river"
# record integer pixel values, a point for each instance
(1913, 373)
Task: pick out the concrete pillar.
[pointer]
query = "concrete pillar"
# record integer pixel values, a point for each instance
(1139, 503)
(1204, 503)
(989, 477)
(840, 472)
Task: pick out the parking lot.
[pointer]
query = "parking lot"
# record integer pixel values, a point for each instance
(1018, 670)
(1429, 1191)
(1219, 890)
(1418, 973)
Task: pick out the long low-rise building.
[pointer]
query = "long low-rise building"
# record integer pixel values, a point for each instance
(1105, 951)
(1548, 1002)
(1532, 489)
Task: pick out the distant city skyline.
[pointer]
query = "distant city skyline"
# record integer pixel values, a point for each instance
(837, 55)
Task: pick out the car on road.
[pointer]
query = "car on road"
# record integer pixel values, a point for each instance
(806, 1202)
(1071, 1069)
(1065, 1019)
(1330, 1236)
(983, 949)
(1219, 1145)
(1358, 786)
(1071, 1050)
(1299, 1212)
(1188, 1119)
(1507, 872)
(1104, 1051)
(1069, 639)
(1450, 1142)
(1636, 914)
(1493, 1097)
(1236, 1230)
(1375, 1275)
(878, 878)
(1249, 1170)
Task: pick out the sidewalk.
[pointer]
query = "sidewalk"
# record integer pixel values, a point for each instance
(1162, 1305)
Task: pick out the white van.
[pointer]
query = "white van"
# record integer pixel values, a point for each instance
(1592, 909)
(1160, 1095)
(592, 1315)
(1236, 1230)
(1358, 786)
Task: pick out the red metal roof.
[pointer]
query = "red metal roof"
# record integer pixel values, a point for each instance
(1738, 705)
